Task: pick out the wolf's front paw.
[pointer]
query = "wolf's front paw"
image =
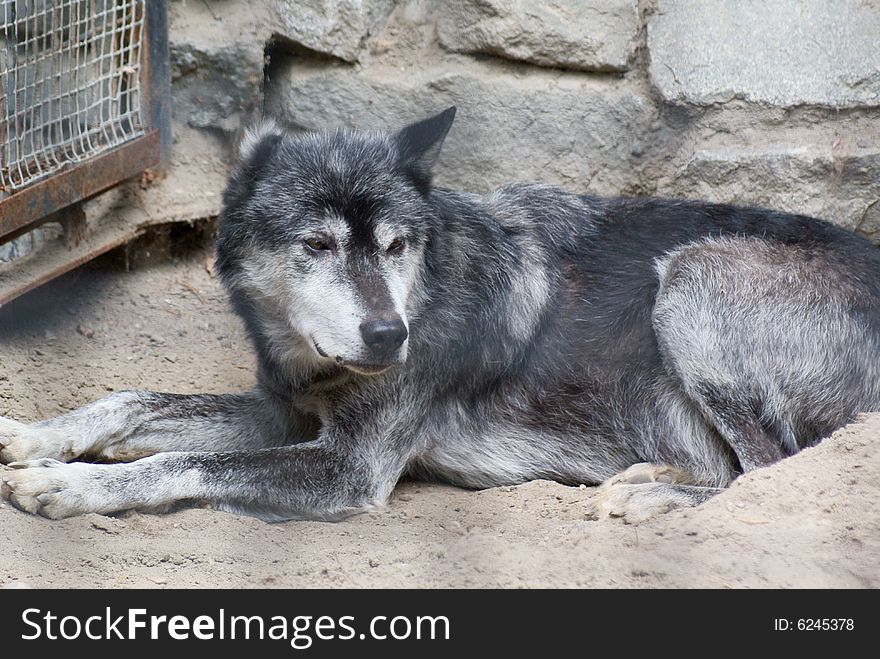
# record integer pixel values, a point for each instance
(19, 441)
(52, 489)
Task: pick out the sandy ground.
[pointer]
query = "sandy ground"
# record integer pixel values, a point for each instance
(812, 520)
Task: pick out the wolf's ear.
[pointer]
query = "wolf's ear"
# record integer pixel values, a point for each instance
(419, 144)
(259, 143)
(256, 149)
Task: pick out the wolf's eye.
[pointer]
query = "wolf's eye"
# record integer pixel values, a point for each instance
(396, 246)
(317, 244)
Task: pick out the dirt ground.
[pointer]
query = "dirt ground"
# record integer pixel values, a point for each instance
(811, 521)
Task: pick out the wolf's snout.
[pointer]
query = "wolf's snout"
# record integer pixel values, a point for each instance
(384, 336)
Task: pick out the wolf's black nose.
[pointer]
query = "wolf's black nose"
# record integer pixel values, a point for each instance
(384, 335)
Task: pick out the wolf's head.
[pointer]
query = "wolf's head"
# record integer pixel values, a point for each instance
(322, 239)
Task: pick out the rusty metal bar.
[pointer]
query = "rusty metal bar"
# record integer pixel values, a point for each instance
(158, 67)
(78, 183)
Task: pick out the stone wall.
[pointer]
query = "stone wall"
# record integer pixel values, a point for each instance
(768, 102)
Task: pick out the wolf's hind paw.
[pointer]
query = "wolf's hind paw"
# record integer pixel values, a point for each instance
(645, 472)
(644, 491)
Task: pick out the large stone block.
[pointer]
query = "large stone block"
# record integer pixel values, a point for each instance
(775, 52)
(217, 61)
(215, 87)
(593, 35)
(341, 28)
(812, 180)
(556, 128)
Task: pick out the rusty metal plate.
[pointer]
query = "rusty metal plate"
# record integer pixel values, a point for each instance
(59, 257)
(77, 183)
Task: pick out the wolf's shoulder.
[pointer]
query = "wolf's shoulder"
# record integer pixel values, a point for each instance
(538, 199)
(529, 208)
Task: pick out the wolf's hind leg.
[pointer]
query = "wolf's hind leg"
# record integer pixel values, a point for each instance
(764, 339)
(646, 490)
(133, 424)
(739, 425)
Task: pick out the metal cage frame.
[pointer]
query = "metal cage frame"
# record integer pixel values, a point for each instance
(53, 196)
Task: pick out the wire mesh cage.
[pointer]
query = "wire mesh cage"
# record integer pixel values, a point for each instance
(83, 106)
(71, 83)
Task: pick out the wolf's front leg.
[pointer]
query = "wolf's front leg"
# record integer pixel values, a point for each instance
(322, 479)
(133, 424)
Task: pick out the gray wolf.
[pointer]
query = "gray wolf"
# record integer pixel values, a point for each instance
(661, 347)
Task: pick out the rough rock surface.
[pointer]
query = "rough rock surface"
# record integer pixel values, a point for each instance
(340, 28)
(597, 35)
(775, 52)
(216, 63)
(841, 188)
(551, 127)
(767, 106)
(214, 88)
